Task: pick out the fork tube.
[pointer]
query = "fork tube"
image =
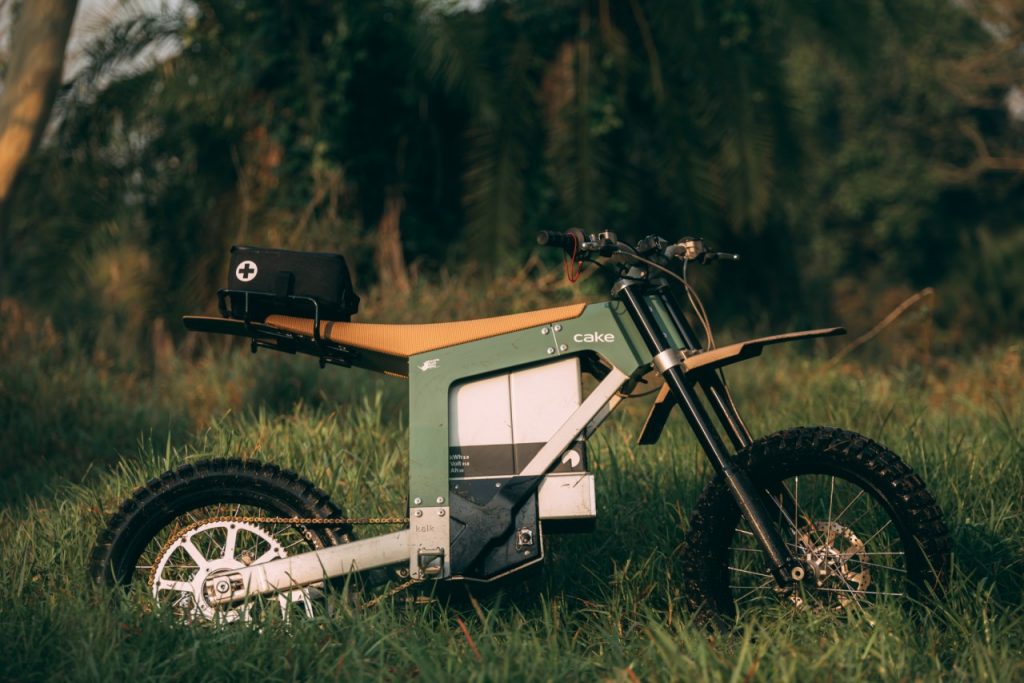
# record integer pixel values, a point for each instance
(742, 489)
(715, 389)
(711, 383)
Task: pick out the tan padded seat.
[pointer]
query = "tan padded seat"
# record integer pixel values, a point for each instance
(408, 340)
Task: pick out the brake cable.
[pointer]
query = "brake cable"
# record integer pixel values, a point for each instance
(691, 295)
(572, 264)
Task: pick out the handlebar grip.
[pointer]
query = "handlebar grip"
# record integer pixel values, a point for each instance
(548, 238)
(561, 240)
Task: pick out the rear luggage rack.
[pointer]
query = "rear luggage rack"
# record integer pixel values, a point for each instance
(261, 335)
(225, 304)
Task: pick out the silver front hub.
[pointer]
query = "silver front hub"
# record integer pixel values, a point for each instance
(836, 560)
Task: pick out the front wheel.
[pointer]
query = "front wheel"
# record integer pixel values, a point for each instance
(859, 520)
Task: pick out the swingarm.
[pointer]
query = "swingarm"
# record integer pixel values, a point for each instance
(301, 570)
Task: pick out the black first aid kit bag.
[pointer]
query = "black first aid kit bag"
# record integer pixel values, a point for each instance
(263, 282)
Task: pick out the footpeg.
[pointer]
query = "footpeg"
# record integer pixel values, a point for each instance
(431, 562)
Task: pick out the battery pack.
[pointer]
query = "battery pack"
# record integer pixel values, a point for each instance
(498, 424)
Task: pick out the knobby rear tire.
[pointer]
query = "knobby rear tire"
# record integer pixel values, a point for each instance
(854, 460)
(174, 494)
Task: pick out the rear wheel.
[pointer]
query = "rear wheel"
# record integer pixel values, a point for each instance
(190, 523)
(860, 521)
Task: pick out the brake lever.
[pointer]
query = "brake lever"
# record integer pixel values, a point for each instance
(709, 256)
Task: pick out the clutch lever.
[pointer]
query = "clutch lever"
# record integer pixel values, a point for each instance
(694, 249)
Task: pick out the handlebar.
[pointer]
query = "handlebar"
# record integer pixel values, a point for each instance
(576, 242)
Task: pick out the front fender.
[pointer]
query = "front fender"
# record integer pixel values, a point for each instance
(703, 362)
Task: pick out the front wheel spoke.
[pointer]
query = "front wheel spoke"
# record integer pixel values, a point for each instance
(747, 571)
(876, 533)
(886, 552)
(881, 566)
(752, 589)
(856, 592)
(793, 522)
(850, 553)
(789, 521)
(854, 524)
(848, 506)
(796, 510)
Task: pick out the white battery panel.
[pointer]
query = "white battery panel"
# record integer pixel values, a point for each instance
(543, 398)
(480, 413)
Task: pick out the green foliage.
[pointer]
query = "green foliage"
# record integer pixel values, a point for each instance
(861, 140)
(891, 195)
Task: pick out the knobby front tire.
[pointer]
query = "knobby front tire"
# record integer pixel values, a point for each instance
(849, 508)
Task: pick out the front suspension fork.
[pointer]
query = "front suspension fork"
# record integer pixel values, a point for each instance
(783, 566)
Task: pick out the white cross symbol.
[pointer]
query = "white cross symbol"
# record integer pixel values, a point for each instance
(246, 271)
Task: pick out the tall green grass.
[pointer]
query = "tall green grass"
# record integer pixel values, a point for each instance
(606, 606)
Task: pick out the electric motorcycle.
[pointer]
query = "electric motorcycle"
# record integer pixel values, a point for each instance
(816, 517)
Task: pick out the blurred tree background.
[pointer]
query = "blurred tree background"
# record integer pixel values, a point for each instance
(854, 152)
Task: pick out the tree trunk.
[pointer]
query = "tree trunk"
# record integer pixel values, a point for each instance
(39, 37)
(389, 258)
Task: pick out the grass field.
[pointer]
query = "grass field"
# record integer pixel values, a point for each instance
(81, 431)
